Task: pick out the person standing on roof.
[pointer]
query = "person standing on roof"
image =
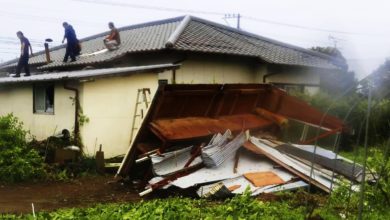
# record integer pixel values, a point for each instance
(72, 43)
(113, 40)
(24, 55)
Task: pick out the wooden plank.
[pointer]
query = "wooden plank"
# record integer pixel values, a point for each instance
(260, 179)
(295, 171)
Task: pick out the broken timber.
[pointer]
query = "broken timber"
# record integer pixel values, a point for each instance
(180, 113)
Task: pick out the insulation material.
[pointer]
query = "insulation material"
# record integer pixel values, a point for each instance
(259, 179)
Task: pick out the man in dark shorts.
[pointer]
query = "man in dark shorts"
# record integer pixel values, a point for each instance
(113, 40)
(24, 55)
(72, 43)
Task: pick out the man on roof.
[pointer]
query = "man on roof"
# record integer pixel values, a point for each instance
(113, 40)
(72, 43)
(24, 55)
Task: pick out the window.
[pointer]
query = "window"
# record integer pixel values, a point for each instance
(290, 88)
(44, 98)
(162, 82)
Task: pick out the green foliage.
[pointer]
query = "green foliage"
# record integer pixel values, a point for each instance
(18, 162)
(353, 108)
(239, 207)
(345, 202)
(380, 79)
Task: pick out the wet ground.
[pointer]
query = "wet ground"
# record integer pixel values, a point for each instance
(53, 195)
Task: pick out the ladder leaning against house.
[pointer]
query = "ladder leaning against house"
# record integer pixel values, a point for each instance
(143, 97)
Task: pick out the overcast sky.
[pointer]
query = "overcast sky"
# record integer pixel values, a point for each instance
(360, 29)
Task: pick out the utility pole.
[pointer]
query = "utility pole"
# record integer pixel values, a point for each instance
(335, 41)
(234, 16)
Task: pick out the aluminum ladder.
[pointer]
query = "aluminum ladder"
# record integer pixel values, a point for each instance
(143, 97)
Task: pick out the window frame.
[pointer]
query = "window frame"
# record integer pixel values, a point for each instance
(45, 85)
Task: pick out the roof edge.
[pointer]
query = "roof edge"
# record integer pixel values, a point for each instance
(129, 27)
(84, 74)
(263, 38)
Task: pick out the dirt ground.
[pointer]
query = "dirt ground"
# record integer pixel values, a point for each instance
(53, 195)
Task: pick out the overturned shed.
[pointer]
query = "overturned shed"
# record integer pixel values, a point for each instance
(187, 115)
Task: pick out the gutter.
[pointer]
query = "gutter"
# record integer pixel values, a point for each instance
(77, 110)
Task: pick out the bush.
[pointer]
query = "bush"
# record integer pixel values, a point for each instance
(18, 162)
(239, 207)
(353, 109)
(376, 195)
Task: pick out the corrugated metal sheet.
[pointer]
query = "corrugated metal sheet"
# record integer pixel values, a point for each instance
(85, 74)
(248, 163)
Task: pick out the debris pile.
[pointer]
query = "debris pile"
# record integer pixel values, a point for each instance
(198, 137)
(230, 165)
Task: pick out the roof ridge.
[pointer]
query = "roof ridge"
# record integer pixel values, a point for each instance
(262, 38)
(128, 27)
(178, 31)
(136, 26)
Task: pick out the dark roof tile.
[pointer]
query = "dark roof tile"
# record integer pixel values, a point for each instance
(197, 35)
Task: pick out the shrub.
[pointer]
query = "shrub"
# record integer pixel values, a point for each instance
(239, 207)
(376, 195)
(18, 162)
(353, 108)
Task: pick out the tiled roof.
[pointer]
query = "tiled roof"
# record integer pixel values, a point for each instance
(193, 34)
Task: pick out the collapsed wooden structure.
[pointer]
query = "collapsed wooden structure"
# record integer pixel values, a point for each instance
(183, 118)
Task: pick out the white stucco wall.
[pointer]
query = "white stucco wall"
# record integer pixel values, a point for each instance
(304, 76)
(109, 104)
(309, 78)
(18, 99)
(213, 70)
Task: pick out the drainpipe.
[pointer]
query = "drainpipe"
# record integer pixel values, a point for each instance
(174, 76)
(77, 109)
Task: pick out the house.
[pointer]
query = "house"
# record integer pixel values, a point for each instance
(102, 85)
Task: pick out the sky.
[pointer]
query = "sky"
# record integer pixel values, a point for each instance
(359, 28)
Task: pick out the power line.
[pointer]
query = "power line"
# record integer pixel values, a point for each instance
(300, 26)
(138, 6)
(112, 3)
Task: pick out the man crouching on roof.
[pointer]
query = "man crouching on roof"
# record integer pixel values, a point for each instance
(113, 40)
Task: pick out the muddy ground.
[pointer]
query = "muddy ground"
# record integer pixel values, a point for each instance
(47, 196)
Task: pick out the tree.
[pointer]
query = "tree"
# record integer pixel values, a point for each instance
(343, 79)
(380, 80)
